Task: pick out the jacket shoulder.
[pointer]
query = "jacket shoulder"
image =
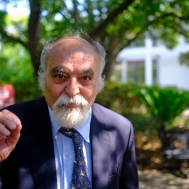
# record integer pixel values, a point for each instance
(109, 117)
(26, 107)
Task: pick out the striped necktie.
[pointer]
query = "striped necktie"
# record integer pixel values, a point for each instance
(80, 178)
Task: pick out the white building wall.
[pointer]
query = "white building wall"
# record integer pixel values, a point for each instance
(170, 72)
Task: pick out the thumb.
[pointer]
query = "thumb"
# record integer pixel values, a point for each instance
(12, 139)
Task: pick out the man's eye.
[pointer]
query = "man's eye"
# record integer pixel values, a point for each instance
(85, 78)
(60, 76)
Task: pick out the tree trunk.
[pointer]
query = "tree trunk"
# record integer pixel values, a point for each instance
(112, 46)
(34, 46)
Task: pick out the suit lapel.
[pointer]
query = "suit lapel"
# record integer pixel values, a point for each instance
(100, 148)
(40, 148)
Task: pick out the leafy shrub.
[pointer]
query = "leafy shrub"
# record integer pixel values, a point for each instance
(148, 108)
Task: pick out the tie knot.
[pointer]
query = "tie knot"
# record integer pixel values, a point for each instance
(72, 133)
(67, 132)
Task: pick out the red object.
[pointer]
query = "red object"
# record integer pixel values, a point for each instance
(7, 95)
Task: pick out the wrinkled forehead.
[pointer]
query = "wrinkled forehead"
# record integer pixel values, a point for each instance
(70, 45)
(73, 50)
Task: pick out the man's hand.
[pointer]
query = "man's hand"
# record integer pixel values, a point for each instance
(10, 126)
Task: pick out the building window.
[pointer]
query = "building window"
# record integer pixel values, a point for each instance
(136, 72)
(154, 73)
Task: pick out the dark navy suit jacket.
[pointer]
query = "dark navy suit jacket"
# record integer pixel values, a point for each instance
(31, 165)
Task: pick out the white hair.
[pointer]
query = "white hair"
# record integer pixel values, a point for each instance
(70, 117)
(71, 33)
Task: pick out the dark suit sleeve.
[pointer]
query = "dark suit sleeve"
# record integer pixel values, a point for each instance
(129, 176)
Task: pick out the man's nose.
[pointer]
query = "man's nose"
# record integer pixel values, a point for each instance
(72, 88)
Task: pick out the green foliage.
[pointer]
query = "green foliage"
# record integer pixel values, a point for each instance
(27, 90)
(164, 104)
(145, 123)
(184, 58)
(119, 97)
(2, 20)
(18, 72)
(16, 68)
(148, 108)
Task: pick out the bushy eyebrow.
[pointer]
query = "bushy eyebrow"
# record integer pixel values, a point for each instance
(88, 72)
(57, 69)
(85, 72)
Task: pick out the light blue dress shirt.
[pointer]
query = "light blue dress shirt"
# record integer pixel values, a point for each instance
(64, 152)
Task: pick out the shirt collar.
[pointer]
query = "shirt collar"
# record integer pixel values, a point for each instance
(83, 129)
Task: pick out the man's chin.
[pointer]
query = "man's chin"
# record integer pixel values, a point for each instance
(70, 117)
(70, 124)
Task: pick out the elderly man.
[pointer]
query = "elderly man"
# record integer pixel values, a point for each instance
(64, 140)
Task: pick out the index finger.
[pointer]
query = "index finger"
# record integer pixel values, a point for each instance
(10, 120)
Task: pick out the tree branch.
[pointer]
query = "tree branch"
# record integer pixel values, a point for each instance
(76, 12)
(155, 21)
(100, 29)
(12, 38)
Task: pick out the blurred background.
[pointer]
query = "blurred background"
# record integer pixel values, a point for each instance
(147, 69)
